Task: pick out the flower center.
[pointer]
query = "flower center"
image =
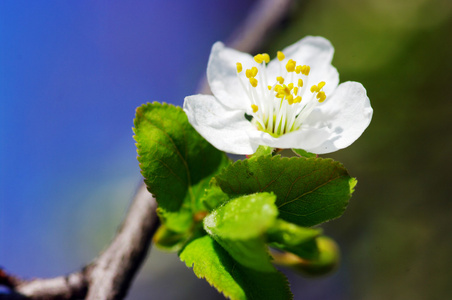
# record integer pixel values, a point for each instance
(280, 105)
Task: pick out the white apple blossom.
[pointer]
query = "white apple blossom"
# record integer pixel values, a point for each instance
(294, 101)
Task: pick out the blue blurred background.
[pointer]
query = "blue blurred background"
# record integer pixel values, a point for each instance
(73, 72)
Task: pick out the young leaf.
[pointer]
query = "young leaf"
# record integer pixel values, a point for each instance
(176, 162)
(214, 196)
(210, 261)
(263, 150)
(169, 240)
(326, 260)
(298, 240)
(304, 153)
(240, 226)
(309, 191)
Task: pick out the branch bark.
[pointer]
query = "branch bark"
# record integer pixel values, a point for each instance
(110, 275)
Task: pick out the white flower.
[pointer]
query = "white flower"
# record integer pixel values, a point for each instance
(294, 101)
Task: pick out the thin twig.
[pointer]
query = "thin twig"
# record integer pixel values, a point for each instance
(110, 275)
(115, 269)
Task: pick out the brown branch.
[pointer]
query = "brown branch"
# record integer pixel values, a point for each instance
(110, 275)
(107, 277)
(266, 15)
(115, 269)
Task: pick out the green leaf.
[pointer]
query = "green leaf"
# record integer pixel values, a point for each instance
(296, 239)
(169, 240)
(176, 162)
(240, 226)
(263, 150)
(326, 261)
(214, 196)
(304, 153)
(210, 261)
(309, 191)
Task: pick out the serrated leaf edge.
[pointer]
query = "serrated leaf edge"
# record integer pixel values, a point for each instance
(279, 157)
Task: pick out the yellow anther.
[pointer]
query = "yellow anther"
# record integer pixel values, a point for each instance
(298, 69)
(250, 73)
(278, 88)
(239, 67)
(280, 95)
(280, 55)
(305, 70)
(286, 90)
(290, 86)
(321, 84)
(254, 107)
(297, 100)
(259, 58)
(290, 66)
(266, 57)
(300, 82)
(321, 96)
(290, 99)
(314, 89)
(280, 79)
(254, 71)
(295, 90)
(253, 81)
(269, 87)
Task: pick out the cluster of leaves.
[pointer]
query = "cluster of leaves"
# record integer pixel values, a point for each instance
(222, 217)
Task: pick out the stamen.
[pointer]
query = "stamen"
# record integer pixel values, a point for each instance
(253, 81)
(298, 69)
(290, 66)
(254, 71)
(305, 70)
(239, 67)
(270, 112)
(259, 58)
(321, 96)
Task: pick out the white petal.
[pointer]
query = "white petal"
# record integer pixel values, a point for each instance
(301, 139)
(221, 126)
(316, 52)
(222, 75)
(313, 50)
(346, 113)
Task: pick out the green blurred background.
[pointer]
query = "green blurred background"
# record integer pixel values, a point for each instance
(396, 234)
